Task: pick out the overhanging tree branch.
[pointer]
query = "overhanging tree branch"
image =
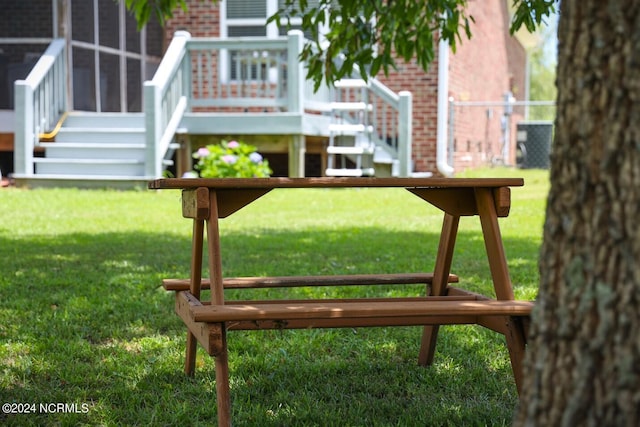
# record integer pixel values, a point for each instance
(368, 35)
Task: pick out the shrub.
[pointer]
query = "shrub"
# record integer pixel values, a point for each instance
(230, 159)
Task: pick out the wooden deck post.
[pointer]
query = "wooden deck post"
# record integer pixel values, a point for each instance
(297, 152)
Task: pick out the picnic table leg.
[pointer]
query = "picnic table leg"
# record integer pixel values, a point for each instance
(439, 284)
(515, 337)
(223, 395)
(194, 288)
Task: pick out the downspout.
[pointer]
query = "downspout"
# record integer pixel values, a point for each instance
(443, 110)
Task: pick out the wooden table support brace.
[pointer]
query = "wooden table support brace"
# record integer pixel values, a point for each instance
(300, 281)
(207, 200)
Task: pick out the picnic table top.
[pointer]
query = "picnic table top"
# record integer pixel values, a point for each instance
(267, 183)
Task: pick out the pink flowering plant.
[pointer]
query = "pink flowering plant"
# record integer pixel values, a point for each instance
(231, 159)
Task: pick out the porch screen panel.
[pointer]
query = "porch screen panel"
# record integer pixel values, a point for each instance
(109, 82)
(84, 96)
(108, 24)
(132, 36)
(155, 37)
(82, 21)
(26, 18)
(134, 85)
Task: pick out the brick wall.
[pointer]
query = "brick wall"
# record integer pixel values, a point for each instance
(424, 90)
(485, 68)
(202, 19)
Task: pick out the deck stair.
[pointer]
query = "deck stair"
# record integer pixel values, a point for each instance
(95, 147)
(351, 147)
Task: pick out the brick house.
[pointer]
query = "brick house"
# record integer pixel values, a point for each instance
(106, 68)
(485, 68)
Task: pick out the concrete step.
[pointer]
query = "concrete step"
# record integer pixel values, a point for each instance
(81, 150)
(124, 182)
(104, 120)
(89, 167)
(101, 135)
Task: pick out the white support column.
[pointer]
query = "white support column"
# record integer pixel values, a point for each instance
(153, 102)
(24, 129)
(297, 152)
(443, 105)
(405, 119)
(295, 100)
(152, 113)
(295, 72)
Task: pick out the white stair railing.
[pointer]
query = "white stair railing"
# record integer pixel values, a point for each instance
(166, 99)
(388, 121)
(392, 116)
(40, 101)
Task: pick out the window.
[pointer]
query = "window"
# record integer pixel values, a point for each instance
(242, 18)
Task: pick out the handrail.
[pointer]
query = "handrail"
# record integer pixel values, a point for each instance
(51, 135)
(393, 120)
(165, 102)
(238, 43)
(389, 96)
(40, 99)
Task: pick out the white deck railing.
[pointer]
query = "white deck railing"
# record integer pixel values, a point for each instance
(40, 101)
(219, 75)
(242, 73)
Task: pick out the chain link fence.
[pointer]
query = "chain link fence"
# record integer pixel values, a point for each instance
(500, 133)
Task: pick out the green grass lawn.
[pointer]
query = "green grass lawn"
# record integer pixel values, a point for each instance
(84, 320)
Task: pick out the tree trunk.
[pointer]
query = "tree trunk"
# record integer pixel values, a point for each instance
(583, 362)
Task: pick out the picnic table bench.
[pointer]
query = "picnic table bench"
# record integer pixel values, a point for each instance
(207, 200)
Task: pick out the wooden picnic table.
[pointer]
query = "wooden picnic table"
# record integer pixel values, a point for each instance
(207, 200)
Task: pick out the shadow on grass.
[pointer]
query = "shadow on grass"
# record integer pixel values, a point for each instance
(83, 319)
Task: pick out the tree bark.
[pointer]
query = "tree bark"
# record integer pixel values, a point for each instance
(583, 361)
